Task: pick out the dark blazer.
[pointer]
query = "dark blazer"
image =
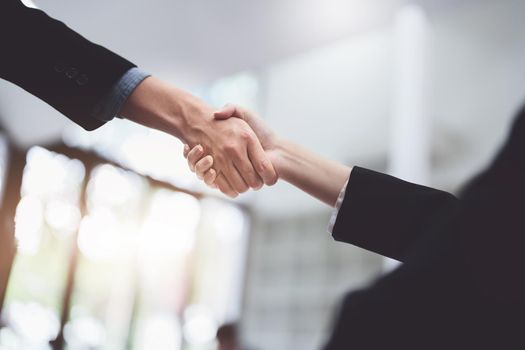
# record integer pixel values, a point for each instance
(51, 61)
(462, 284)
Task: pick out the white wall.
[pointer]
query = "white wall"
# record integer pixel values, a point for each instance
(337, 99)
(479, 82)
(334, 101)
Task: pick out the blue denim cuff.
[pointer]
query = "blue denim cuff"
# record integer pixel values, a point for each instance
(111, 105)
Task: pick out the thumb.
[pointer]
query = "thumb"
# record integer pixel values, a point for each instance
(228, 111)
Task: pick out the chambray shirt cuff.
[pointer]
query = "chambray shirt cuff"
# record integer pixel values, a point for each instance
(111, 105)
(337, 207)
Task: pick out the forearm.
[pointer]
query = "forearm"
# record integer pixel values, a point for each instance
(320, 177)
(158, 105)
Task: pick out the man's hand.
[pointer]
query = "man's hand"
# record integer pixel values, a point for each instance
(239, 159)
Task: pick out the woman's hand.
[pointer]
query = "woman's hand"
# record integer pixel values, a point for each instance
(201, 164)
(314, 174)
(266, 136)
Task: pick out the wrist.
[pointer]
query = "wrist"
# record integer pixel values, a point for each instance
(193, 118)
(184, 116)
(283, 157)
(160, 106)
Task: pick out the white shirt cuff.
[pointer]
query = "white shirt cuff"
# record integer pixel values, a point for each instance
(337, 207)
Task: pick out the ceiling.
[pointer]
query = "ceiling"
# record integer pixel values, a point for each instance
(200, 40)
(194, 42)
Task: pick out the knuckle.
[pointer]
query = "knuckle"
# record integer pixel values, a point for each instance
(199, 169)
(194, 153)
(208, 177)
(219, 162)
(263, 166)
(248, 171)
(245, 135)
(255, 182)
(192, 160)
(231, 147)
(241, 188)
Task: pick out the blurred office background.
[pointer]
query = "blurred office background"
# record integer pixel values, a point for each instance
(109, 242)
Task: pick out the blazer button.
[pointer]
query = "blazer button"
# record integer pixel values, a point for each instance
(60, 68)
(73, 72)
(82, 80)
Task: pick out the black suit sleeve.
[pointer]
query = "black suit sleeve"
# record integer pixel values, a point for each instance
(385, 215)
(49, 60)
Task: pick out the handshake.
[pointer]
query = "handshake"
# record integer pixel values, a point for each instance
(248, 160)
(232, 149)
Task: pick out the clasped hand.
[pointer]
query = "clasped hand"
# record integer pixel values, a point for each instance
(260, 149)
(239, 160)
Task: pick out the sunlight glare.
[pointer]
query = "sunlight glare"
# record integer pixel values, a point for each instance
(28, 225)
